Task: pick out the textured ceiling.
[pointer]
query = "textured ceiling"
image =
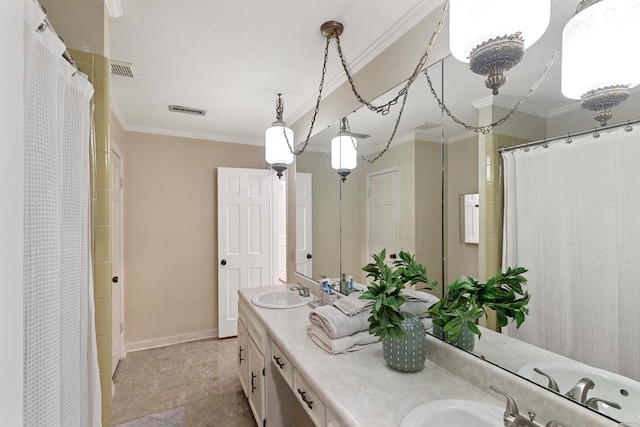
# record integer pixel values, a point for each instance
(230, 58)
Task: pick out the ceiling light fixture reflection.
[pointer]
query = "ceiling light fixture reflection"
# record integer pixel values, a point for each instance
(492, 35)
(344, 157)
(597, 65)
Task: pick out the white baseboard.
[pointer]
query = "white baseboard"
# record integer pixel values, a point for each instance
(174, 339)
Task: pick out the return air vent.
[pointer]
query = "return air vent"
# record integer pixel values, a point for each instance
(123, 69)
(187, 110)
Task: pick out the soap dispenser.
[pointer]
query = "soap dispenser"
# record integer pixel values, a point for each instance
(344, 284)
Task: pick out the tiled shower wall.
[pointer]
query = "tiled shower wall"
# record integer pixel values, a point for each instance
(98, 69)
(494, 205)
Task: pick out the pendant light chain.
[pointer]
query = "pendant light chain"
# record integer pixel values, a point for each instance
(385, 108)
(404, 92)
(316, 110)
(488, 128)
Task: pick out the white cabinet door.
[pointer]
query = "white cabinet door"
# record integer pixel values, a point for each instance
(244, 243)
(256, 382)
(243, 355)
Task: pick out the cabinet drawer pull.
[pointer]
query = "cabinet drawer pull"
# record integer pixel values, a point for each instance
(303, 394)
(278, 362)
(240, 358)
(253, 382)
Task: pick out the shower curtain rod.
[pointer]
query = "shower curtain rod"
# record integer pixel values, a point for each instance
(567, 136)
(66, 55)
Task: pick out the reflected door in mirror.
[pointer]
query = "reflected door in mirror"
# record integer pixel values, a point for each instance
(383, 211)
(304, 245)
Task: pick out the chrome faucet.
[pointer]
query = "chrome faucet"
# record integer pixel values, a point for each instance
(593, 403)
(512, 417)
(552, 385)
(580, 390)
(303, 291)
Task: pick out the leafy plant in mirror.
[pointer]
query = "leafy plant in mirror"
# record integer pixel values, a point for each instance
(467, 300)
(385, 289)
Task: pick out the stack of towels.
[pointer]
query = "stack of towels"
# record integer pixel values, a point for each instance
(343, 326)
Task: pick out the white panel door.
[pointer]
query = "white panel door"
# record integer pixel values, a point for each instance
(117, 321)
(244, 221)
(304, 234)
(383, 212)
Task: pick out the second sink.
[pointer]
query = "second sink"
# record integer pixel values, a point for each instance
(454, 413)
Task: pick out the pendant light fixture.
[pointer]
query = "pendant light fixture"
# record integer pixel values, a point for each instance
(278, 142)
(492, 35)
(344, 157)
(598, 66)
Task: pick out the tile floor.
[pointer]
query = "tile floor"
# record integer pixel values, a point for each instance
(199, 376)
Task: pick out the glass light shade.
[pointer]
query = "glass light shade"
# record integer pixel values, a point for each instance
(276, 149)
(343, 153)
(597, 47)
(472, 22)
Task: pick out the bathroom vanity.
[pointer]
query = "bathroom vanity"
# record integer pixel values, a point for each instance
(288, 380)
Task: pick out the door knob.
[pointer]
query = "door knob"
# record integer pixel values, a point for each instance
(223, 262)
(308, 256)
(393, 256)
(114, 279)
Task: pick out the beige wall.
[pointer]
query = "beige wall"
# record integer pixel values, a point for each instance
(402, 157)
(325, 213)
(462, 178)
(326, 216)
(428, 206)
(83, 24)
(170, 232)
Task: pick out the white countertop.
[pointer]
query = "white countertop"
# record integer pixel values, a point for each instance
(358, 387)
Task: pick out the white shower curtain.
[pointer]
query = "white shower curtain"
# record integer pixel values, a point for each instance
(61, 379)
(572, 217)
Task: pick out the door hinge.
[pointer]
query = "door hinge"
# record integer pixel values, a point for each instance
(120, 182)
(263, 372)
(264, 423)
(121, 327)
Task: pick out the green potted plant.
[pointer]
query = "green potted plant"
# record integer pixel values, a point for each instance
(403, 335)
(455, 315)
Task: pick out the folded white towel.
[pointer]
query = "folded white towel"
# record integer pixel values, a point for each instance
(350, 343)
(417, 302)
(411, 295)
(336, 324)
(352, 304)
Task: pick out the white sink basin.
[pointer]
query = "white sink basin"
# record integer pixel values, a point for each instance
(280, 299)
(454, 413)
(613, 387)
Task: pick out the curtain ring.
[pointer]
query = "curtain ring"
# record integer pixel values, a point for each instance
(628, 127)
(596, 134)
(545, 145)
(41, 27)
(526, 149)
(569, 140)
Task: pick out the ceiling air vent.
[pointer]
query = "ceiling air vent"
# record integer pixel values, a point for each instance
(187, 110)
(123, 69)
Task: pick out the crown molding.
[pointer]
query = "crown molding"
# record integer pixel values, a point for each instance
(117, 112)
(564, 110)
(461, 137)
(193, 135)
(508, 102)
(400, 28)
(114, 7)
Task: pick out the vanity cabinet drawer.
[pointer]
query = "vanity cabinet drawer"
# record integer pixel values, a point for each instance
(259, 335)
(282, 363)
(308, 399)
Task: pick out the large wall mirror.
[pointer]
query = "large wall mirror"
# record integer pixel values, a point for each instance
(410, 198)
